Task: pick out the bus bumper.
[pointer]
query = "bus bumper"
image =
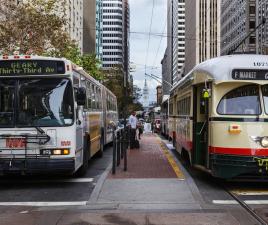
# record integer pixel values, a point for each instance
(37, 166)
(233, 166)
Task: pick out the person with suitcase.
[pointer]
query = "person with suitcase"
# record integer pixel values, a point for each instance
(133, 127)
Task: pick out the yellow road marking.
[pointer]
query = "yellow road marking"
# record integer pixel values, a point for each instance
(171, 161)
(250, 192)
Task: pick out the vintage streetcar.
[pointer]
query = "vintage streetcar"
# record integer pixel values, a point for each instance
(218, 116)
(53, 116)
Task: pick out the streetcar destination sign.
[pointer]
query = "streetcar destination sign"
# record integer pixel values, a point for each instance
(244, 74)
(31, 67)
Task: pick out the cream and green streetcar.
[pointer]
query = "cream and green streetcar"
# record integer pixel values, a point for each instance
(219, 116)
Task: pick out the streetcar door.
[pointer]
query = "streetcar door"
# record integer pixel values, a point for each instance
(200, 127)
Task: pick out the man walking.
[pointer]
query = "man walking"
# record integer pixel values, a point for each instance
(133, 127)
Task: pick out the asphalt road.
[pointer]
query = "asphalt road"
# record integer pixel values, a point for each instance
(54, 188)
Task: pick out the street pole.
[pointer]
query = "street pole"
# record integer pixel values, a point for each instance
(125, 136)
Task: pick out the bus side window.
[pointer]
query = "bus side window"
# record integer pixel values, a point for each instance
(108, 102)
(93, 96)
(89, 95)
(98, 98)
(84, 84)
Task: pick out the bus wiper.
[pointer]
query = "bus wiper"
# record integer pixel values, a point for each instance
(39, 129)
(42, 132)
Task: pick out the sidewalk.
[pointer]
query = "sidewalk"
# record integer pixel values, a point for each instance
(152, 181)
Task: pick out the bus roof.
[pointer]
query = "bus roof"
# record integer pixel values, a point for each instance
(220, 69)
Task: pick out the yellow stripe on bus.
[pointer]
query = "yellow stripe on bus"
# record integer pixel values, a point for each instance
(172, 162)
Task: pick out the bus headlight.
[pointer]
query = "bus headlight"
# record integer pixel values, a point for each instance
(264, 142)
(55, 152)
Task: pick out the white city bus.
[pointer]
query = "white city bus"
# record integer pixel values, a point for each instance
(53, 116)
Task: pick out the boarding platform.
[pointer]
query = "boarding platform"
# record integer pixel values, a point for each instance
(153, 180)
(155, 189)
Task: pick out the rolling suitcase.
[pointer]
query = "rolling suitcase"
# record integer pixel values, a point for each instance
(136, 144)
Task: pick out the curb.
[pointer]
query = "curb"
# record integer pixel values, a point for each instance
(189, 180)
(96, 192)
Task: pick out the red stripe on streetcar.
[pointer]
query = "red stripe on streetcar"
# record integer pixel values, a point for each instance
(239, 151)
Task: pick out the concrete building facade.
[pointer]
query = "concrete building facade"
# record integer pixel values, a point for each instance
(262, 32)
(238, 19)
(166, 78)
(202, 31)
(75, 21)
(159, 95)
(92, 33)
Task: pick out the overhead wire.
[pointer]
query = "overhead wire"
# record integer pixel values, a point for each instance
(148, 45)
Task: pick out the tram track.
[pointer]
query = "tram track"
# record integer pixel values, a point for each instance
(246, 206)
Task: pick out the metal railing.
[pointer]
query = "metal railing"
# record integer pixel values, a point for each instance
(120, 146)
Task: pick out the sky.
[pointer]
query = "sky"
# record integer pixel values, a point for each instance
(140, 52)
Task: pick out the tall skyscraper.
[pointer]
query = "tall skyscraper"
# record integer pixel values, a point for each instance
(169, 50)
(262, 32)
(176, 38)
(114, 36)
(238, 19)
(92, 34)
(202, 31)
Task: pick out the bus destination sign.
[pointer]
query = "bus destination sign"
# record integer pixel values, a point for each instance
(244, 74)
(31, 67)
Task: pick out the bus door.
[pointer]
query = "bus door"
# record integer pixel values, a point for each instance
(79, 117)
(200, 127)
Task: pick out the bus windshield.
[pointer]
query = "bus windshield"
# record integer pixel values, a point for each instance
(36, 102)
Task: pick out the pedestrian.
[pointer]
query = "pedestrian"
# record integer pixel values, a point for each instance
(140, 128)
(133, 127)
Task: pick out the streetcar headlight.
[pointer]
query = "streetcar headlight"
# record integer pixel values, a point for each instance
(264, 142)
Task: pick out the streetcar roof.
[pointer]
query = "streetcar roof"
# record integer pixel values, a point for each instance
(220, 69)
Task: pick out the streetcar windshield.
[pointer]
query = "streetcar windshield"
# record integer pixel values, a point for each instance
(265, 97)
(36, 102)
(241, 101)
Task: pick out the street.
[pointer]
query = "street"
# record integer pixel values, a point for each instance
(194, 197)
(53, 189)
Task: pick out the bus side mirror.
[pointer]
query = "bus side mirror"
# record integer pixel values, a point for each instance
(81, 96)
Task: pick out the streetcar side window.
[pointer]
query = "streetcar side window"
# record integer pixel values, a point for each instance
(241, 101)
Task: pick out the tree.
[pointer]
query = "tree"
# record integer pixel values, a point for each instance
(34, 27)
(38, 27)
(114, 80)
